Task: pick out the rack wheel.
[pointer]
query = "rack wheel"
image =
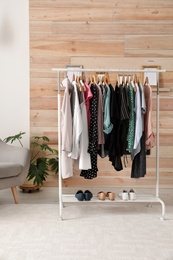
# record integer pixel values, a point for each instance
(162, 218)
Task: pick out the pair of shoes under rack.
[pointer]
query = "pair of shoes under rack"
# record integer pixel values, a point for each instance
(102, 195)
(125, 195)
(86, 195)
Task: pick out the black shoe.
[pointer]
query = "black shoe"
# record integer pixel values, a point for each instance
(88, 195)
(80, 195)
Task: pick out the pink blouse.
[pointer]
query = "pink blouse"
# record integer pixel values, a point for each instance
(88, 95)
(149, 135)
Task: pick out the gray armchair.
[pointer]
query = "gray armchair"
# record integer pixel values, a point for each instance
(14, 166)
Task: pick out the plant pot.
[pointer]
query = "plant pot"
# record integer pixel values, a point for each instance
(29, 186)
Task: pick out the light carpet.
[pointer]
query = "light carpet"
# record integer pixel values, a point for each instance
(88, 232)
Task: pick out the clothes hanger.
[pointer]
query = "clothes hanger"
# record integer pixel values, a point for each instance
(123, 80)
(133, 82)
(73, 77)
(138, 81)
(108, 79)
(82, 85)
(128, 79)
(135, 79)
(78, 82)
(117, 80)
(83, 78)
(146, 80)
(99, 80)
(93, 79)
(84, 81)
(105, 79)
(77, 79)
(89, 80)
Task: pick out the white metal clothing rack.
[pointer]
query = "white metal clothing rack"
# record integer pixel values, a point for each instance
(67, 198)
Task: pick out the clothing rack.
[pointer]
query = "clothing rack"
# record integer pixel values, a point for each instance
(67, 198)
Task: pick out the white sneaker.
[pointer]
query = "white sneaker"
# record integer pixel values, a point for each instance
(132, 194)
(125, 195)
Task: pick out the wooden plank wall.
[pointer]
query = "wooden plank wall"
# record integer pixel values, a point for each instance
(103, 34)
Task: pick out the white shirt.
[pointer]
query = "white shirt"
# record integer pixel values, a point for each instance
(66, 128)
(84, 157)
(138, 123)
(77, 126)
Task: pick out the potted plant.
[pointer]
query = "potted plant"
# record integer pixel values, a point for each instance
(42, 158)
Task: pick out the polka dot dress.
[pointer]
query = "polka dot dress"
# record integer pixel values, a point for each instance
(93, 136)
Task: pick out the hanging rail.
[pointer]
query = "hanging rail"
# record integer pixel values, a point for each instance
(106, 70)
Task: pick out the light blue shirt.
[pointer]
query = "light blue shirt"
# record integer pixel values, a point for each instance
(107, 125)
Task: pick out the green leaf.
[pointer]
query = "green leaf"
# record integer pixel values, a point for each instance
(38, 171)
(45, 147)
(14, 138)
(43, 138)
(54, 164)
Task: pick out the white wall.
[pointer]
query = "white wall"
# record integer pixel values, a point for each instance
(14, 68)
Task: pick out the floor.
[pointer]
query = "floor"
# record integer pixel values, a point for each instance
(46, 195)
(89, 231)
